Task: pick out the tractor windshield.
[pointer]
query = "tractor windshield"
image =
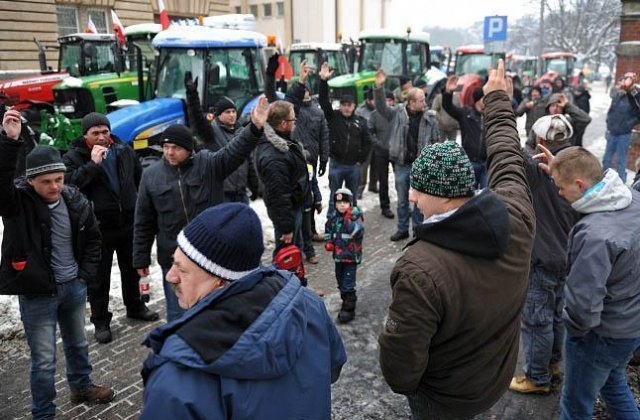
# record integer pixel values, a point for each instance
(385, 54)
(232, 72)
(315, 58)
(562, 65)
(87, 58)
(472, 64)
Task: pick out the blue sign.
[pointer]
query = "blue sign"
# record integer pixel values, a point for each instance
(495, 28)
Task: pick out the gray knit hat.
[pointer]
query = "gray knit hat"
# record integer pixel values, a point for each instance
(443, 170)
(92, 119)
(43, 160)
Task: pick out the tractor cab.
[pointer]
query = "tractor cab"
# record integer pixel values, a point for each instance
(561, 64)
(85, 54)
(472, 68)
(317, 53)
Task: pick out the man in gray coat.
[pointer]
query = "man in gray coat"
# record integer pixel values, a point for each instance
(380, 132)
(412, 128)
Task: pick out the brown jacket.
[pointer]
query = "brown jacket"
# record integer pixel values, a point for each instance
(453, 329)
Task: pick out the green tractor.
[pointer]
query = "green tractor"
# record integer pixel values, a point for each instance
(125, 85)
(399, 54)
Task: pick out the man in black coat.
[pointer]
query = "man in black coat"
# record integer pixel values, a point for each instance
(108, 173)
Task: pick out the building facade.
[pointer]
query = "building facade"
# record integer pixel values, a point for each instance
(45, 20)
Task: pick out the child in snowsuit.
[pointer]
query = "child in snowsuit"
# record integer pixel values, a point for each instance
(343, 235)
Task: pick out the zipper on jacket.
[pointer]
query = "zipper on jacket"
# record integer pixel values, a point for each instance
(184, 205)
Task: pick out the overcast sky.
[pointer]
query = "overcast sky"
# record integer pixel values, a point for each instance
(455, 13)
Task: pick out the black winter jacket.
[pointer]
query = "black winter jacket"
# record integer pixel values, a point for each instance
(349, 138)
(27, 231)
(470, 122)
(283, 170)
(171, 196)
(112, 209)
(214, 137)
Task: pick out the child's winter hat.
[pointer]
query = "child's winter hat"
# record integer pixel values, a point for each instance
(343, 194)
(443, 170)
(224, 240)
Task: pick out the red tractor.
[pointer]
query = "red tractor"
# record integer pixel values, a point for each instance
(472, 66)
(561, 64)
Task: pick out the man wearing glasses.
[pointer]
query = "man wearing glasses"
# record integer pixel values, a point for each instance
(621, 118)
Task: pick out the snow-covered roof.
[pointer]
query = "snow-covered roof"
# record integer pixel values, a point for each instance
(415, 36)
(475, 48)
(143, 28)
(245, 22)
(314, 46)
(86, 37)
(205, 37)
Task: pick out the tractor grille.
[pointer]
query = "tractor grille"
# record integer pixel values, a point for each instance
(74, 103)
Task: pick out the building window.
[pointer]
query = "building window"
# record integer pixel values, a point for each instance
(280, 7)
(266, 8)
(238, 9)
(67, 20)
(253, 9)
(99, 18)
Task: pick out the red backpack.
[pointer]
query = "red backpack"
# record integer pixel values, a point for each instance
(290, 258)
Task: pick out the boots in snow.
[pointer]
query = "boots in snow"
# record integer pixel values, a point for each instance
(348, 309)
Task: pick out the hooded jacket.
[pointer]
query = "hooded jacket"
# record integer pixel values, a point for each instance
(262, 347)
(428, 132)
(113, 209)
(27, 231)
(453, 328)
(171, 196)
(602, 292)
(283, 170)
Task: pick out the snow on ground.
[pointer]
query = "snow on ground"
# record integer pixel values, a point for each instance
(11, 331)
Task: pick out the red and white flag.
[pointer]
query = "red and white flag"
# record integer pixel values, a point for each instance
(118, 29)
(91, 27)
(164, 16)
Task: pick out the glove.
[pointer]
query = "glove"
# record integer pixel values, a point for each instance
(273, 64)
(189, 84)
(318, 207)
(328, 246)
(322, 169)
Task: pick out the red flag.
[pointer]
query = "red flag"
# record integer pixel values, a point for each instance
(164, 16)
(118, 28)
(91, 28)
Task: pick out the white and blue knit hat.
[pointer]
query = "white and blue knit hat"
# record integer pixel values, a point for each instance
(225, 240)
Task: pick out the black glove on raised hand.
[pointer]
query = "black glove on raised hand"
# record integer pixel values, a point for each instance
(322, 169)
(272, 65)
(190, 84)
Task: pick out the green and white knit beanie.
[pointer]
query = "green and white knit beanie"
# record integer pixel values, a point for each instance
(443, 170)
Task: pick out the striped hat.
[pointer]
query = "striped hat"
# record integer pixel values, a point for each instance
(225, 240)
(443, 170)
(43, 160)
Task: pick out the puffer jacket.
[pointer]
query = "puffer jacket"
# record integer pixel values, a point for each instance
(283, 170)
(27, 231)
(112, 209)
(272, 338)
(453, 328)
(171, 196)
(428, 133)
(345, 232)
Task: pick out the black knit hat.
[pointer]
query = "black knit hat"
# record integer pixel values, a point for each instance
(179, 135)
(92, 119)
(389, 95)
(44, 160)
(443, 170)
(223, 104)
(224, 240)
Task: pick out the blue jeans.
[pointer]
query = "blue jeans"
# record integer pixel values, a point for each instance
(542, 327)
(349, 174)
(480, 172)
(593, 365)
(174, 311)
(346, 276)
(39, 315)
(402, 174)
(617, 144)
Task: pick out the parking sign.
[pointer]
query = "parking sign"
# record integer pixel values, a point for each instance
(495, 28)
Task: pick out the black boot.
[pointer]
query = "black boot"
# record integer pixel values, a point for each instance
(348, 309)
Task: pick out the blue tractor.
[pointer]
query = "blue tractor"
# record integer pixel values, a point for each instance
(226, 62)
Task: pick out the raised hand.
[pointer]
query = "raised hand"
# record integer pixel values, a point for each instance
(305, 71)
(12, 124)
(325, 71)
(452, 82)
(545, 158)
(260, 112)
(381, 77)
(189, 84)
(496, 79)
(273, 64)
(510, 87)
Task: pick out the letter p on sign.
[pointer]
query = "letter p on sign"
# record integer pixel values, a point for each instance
(495, 28)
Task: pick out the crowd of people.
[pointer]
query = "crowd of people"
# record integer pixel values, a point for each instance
(538, 243)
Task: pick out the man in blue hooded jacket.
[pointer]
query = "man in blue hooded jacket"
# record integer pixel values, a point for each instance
(250, 336)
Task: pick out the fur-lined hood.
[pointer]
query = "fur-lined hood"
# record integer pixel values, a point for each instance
(281, 144)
